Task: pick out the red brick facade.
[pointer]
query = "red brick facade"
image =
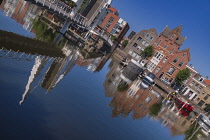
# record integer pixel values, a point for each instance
(123, 103)
(112, 23)
(168, 60)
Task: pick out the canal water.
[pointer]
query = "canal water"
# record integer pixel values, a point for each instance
(49, 98)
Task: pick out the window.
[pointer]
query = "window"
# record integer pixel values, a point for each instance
(206, 97)
(119, 28)
(157, 70)
(175, 60)
(140, 105)
(191, 73)
(192, 83)
(158, 43)
(134, 54)
(147, 35)
(204, 93)
(112, 31)
(151, 66)
(184, 122)
(137, 96)
(148, 99)
(143, 42)
(200, 88)
(165, 46)
(134, 45)
(158, 55)
(201, 79)
(171, 70)
(137, 57)
(147, 44)
(139, 47)
(171, 51)
(139, 39)
(172, 36)
(181, 63)
(201, 103)
(183, 55)
(196, 85)
(165, 60)
(151, 38)
(188, 118)
(109, 23)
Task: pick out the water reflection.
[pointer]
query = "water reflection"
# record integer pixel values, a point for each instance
(53, 63)
(140, 102)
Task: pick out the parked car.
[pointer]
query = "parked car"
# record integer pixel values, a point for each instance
(147, 81)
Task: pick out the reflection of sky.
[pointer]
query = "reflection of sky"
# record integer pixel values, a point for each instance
(76, 108)
(8, 24)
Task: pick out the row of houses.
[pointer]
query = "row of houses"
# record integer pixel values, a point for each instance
(168, 60)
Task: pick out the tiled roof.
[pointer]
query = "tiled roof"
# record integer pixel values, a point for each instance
(180, 40)
(112, 9)
(207, 82)
(166, 31)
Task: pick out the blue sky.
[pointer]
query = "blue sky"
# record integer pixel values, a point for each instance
(194, 15)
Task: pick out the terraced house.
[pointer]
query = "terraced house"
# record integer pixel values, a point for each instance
(196, 88)
(168, 59)
(139, 41)
(204, 98)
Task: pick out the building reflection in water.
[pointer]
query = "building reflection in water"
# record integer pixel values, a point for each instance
(136, 101)
(58, 69)
(21, 11)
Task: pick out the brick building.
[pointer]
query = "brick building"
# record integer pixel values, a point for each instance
(203, 99)
(114, 25)
(139, 41)
(130, 36)
(168, 60)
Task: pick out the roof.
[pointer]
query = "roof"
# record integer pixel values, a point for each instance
(207, 82)
(179, 40)
(112, 9)
(187, 51)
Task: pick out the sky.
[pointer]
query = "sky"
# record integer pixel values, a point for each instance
(193, 15)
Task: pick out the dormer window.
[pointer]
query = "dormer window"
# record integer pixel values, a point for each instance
(165, 46)
(172, 36)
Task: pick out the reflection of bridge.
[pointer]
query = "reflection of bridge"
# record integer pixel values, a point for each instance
(63, 10)
(18, 43)
(71, 16)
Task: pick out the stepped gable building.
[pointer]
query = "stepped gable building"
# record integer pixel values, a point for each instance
(139, 41)
(168, 60)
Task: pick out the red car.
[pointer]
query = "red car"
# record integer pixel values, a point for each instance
(184, 108)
